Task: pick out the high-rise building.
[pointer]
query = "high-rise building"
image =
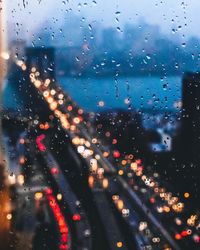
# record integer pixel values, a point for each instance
(190, 128)
(188, 148)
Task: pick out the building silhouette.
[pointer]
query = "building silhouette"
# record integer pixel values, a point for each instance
(31, 100)
(190, 128)
(188, 147)
(43, 60)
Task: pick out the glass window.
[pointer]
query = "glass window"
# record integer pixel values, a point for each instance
(99, 125)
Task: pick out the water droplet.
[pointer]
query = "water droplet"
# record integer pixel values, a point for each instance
(118, 29)
(173, 31)
(148, 57)
(164, 86)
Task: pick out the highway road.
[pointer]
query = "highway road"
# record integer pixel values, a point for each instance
(108, 199)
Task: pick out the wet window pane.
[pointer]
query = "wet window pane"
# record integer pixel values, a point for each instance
(99, 125)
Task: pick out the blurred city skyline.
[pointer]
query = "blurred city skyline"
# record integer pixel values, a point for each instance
(179, 16)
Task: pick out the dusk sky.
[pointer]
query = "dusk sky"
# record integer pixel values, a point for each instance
(35, 12)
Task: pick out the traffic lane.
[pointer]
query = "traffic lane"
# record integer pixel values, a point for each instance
(77, 214)
(114, 235)
(131, 216)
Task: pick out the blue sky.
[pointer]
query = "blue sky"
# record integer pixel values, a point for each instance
(165, 13)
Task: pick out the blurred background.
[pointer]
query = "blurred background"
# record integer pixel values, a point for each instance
(100, 125)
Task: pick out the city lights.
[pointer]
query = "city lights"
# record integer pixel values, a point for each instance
(38, 196)
(162, 201)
